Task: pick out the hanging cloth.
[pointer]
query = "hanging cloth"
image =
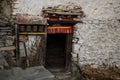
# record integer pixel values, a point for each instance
(59, 29)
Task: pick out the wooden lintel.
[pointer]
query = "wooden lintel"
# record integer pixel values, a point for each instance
(64, 13)
(30, 24)
(63, 21)
(32, 33)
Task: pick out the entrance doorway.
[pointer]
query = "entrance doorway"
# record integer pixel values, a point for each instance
(56, 51)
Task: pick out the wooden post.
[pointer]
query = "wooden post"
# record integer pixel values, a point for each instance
(40, 56)
(45, 43)
(68, 51)
(17, 42)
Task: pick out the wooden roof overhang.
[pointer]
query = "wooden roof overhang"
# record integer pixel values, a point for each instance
(61, 22)
(62, 17)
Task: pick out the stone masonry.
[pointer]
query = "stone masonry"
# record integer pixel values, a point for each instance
(97, 40)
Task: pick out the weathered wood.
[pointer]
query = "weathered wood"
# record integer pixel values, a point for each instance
(41, 51)
(64, 13)
(23, 38)
(68, 51)
(4, 28)
(17, 41)
(7, 48)
(26, 56)
(32, 33)
(63, 10)
(32, 28)
(32, 24)
(64, 22)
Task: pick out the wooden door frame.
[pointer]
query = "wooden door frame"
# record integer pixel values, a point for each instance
(68, 50)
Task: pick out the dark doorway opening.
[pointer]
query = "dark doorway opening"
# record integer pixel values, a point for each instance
(56, 51)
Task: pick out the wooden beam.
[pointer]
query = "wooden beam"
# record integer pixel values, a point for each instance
(32, 33)
(32, 24)
(17, 41)
(64, 13)
(7, 48)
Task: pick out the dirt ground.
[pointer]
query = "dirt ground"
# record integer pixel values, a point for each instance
(112, 73)
(89, 73)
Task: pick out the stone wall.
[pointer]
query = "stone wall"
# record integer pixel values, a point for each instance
(6, 28)
(97, 40)
(5, 8)
(97, 43)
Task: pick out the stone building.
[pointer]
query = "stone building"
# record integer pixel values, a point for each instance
(97, 39)
(92, 42)
(6, 30)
